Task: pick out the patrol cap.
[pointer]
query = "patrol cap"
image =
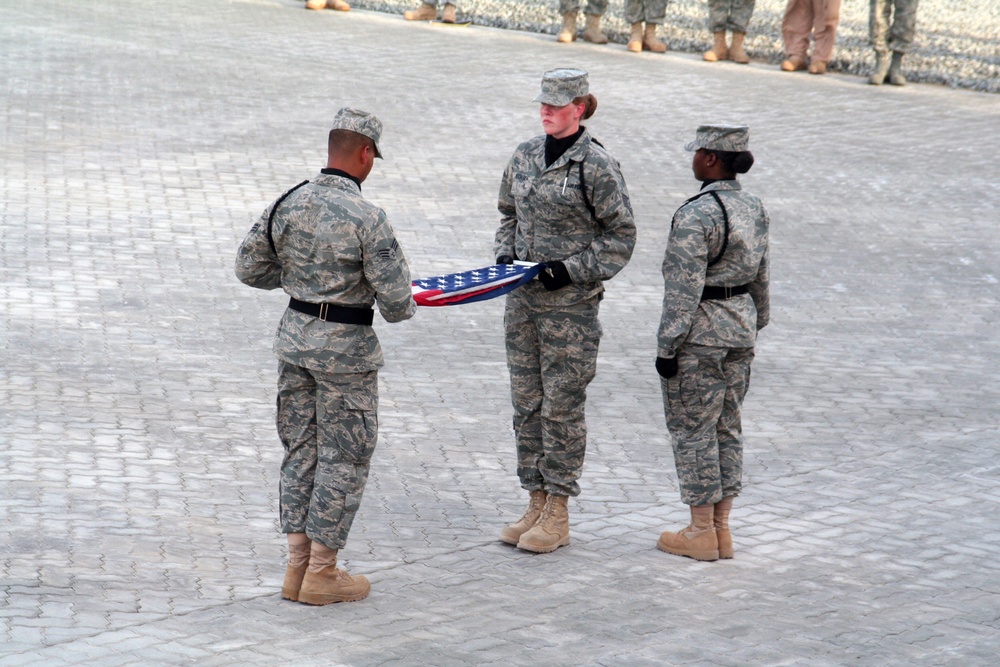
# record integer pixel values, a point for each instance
(361, 122)
(732, 138)
(562, 86)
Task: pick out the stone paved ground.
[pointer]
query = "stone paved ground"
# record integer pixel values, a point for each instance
(138, 458)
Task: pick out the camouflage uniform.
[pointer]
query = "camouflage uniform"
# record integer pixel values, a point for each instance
(900, 35)
(649, 11)
(731, 15)
(332, 246)
(594, 7)
(713, 340)
(552, 337)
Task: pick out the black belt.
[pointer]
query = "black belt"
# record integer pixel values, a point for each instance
(328, 312)
(714, 293)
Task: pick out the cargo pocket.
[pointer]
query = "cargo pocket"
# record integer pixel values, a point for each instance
(358, 430)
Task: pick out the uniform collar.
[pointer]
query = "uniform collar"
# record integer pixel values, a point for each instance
(341, 174)
(575, 153)
(726, 184)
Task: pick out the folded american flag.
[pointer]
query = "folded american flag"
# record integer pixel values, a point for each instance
(475, 285)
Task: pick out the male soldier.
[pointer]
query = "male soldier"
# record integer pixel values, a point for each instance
(715, 300)
(428, 11)
(335, 254)
(570, 9)
(896, 38)
(733, 15)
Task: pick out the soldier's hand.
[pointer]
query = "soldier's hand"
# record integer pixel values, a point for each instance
(666, 367)
(554, 276)
(505, 259)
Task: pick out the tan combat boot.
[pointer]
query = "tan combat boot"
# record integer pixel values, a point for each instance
(425, 12)
(448, 13)
(635, 39)
(719, 50)
(736, 52)
(793, 64)
(592, 30)
(568, 32)
(552, 529)
(512, 533)
(720, 518)
(817, 67)
(650, 42)
(315, 4)
(896, 77)
(697, 541)
(339, 5)
(298, 560)
(324, 583)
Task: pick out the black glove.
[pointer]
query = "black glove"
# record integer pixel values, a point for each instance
(667, 368)
(554, 276)
(505, 259)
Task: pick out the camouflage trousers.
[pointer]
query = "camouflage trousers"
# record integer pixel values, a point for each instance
(596, 7)
(732, 15)
(900, 33)
(702, 404)
(650, 11)
(328, 425)
(552, 357)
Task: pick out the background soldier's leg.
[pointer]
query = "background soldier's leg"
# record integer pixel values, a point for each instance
(718, 15)
(346, 434)
(904, 26)
(296, 422)
(525, 389)
(736, 368)
(739, 19)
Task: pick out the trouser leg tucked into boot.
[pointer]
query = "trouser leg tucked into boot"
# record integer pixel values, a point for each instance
(877, 77)
(896, 77)
(719, 50)
(736, 52)
(568, 32)
(697, 541)
(512, 533)
(720, 517)
(324, 583)
(552, 529)
(425, 12)
(298, 559)
(650, 41)
(592, 30)
(635, 38)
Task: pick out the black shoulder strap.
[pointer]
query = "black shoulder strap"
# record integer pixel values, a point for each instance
(274, 209)
(583, 188)
(725, 220)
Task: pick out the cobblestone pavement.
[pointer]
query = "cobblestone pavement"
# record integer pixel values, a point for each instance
(138, 458)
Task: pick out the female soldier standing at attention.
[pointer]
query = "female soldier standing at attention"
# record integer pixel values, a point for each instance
(564, 203)
(715, 301)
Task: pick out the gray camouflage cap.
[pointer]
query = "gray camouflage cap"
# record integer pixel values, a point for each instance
(562, 86)
(732, 138)
(361, 122)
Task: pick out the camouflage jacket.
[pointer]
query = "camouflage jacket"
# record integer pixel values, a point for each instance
(546, 215)
(696, 238)
(333, 246)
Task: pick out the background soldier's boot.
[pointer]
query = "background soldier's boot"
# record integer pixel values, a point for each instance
(720, 517)
(719, 50)
(881, 68)
(568, 32)
(339, 5)
(512, 533)
(896, 77)
(817, 67)
(635, 38)
(552, 529)
(592, 30)
(425, 12)
(315, 4)
(697, 541)
(298, 559)
(793, 64)
(650, 42)
(736, 52)
(448, 13)
(324, 583)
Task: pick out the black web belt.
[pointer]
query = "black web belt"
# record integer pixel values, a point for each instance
(719, 293)
(328, 312)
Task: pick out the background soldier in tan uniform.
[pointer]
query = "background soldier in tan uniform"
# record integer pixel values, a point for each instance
(734, 16)
(570, 9)
(893, 27)
(805, 18)
(715, 300)
(564, 203)
(335, 254)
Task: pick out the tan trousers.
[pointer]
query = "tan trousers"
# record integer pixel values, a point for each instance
(816, 17)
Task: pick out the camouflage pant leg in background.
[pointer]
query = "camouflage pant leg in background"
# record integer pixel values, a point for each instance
(903, 30)
(597, 7)
(552, 357)
(650, 11)
(731, 15)
(328, 425)
(702, 405)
